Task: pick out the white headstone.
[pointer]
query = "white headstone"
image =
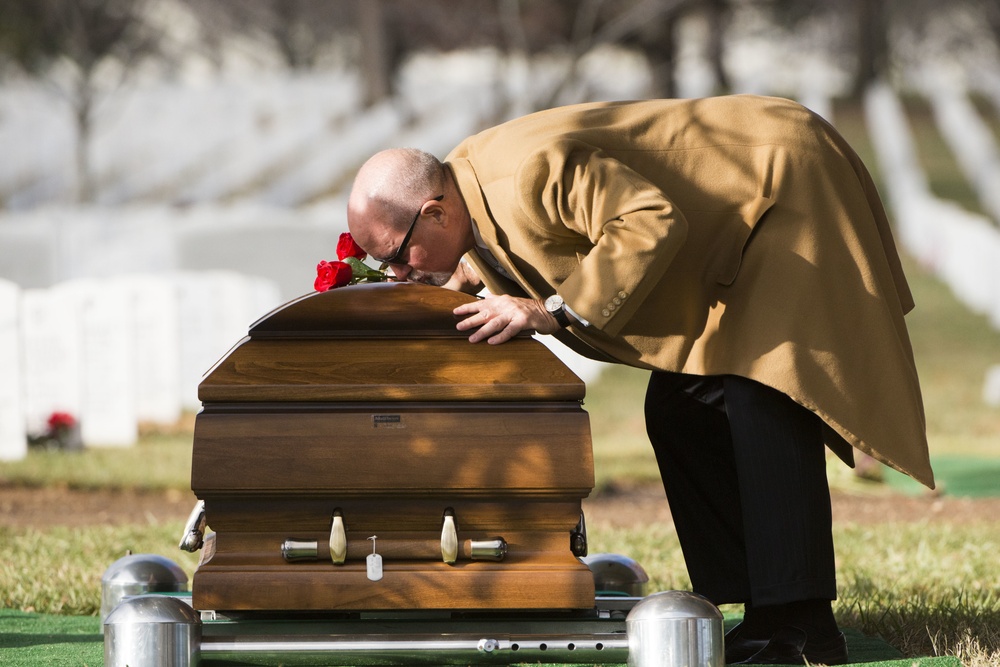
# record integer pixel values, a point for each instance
(198, 336)
(108, 387)
(156, 341)
(13, 431)
(234, 308)
(216, 309)
(278, 248)
(51, 356)
(991, 386)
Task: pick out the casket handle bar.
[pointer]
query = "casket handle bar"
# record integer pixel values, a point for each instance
(494, 549)
(194, 531)
(296, 549)
(301, 550)
(338, 539)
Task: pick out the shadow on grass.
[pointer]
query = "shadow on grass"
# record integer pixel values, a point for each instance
(26, 639)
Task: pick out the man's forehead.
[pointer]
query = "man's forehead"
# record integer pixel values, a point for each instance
(365, 218)
(372, 235)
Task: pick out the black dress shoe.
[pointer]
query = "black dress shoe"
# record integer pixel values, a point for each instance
(739, 647)
(793, 646)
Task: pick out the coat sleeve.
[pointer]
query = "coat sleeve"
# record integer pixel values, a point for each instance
(627, 231)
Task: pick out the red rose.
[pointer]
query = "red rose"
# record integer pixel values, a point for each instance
(60, 420)
(332, 274)
(347, 247)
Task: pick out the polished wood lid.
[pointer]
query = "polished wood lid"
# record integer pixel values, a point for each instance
(382, 342)
(409, 310)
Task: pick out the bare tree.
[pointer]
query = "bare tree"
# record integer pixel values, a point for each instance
(867, 25)
(302, 32)
(40, 36)
(718, 13)
(872, 30)
(655, 36)
(376, 59)
(645, 25)
(991, 10)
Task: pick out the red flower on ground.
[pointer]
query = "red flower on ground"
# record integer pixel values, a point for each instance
(61, 420)
(332, 274)
(348, 247)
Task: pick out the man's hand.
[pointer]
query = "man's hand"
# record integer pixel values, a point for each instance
(500, 318)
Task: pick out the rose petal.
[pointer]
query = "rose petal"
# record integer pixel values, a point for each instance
(348, 247)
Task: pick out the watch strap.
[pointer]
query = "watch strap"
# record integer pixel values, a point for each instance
(561, 316)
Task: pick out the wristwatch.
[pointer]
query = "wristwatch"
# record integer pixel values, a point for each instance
(556, 307)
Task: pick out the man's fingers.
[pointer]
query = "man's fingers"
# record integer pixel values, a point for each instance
(475, 315)
(498, 319)
(488, 328)
(467, 308)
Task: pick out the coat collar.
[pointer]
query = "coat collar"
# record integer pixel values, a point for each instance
(485, 226)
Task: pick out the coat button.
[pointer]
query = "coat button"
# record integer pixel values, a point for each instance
(617, 301)
(611, 306)
(606, 312)
(623, 294)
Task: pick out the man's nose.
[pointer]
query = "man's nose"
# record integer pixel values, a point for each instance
(401, 271)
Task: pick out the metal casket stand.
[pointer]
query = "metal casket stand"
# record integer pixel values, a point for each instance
(159, 630)
(662, 630)
(152, 630)
(421, 638)
(164, 630)
(667, 629)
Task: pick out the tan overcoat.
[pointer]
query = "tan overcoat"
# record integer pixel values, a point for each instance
(729, 235)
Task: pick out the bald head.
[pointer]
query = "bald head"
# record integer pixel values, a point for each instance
(393, 192)
(389, 188)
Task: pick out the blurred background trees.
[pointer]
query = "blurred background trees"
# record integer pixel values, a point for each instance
(86, 47)
(377, 36)
(82, 47)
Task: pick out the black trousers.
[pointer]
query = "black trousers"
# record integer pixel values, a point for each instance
(744, 469)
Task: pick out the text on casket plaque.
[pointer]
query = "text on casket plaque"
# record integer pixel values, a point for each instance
(387, 421)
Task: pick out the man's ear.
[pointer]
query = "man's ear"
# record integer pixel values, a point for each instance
(436, 211)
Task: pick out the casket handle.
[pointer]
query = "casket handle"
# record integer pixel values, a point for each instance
(449, 538)
(194, 531)
(338, 539)
(494, 549)
(578, 538)
(293, 550)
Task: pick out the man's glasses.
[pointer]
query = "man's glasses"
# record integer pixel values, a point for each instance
(397, 256)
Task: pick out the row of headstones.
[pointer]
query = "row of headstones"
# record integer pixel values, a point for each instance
(116, 352)
(276, 140)
(42, 247)
(961, 247)
(159, 140)
(967, 134)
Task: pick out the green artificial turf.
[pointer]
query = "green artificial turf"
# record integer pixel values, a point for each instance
(33, 640)
(958, 476)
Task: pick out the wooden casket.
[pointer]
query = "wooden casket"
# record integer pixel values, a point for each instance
(359, 421)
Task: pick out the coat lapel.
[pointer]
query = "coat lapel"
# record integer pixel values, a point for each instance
(495, 259)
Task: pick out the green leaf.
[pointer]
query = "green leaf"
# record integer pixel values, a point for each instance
(361, 272)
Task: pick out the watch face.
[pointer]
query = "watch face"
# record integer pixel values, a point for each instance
(556, 308)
